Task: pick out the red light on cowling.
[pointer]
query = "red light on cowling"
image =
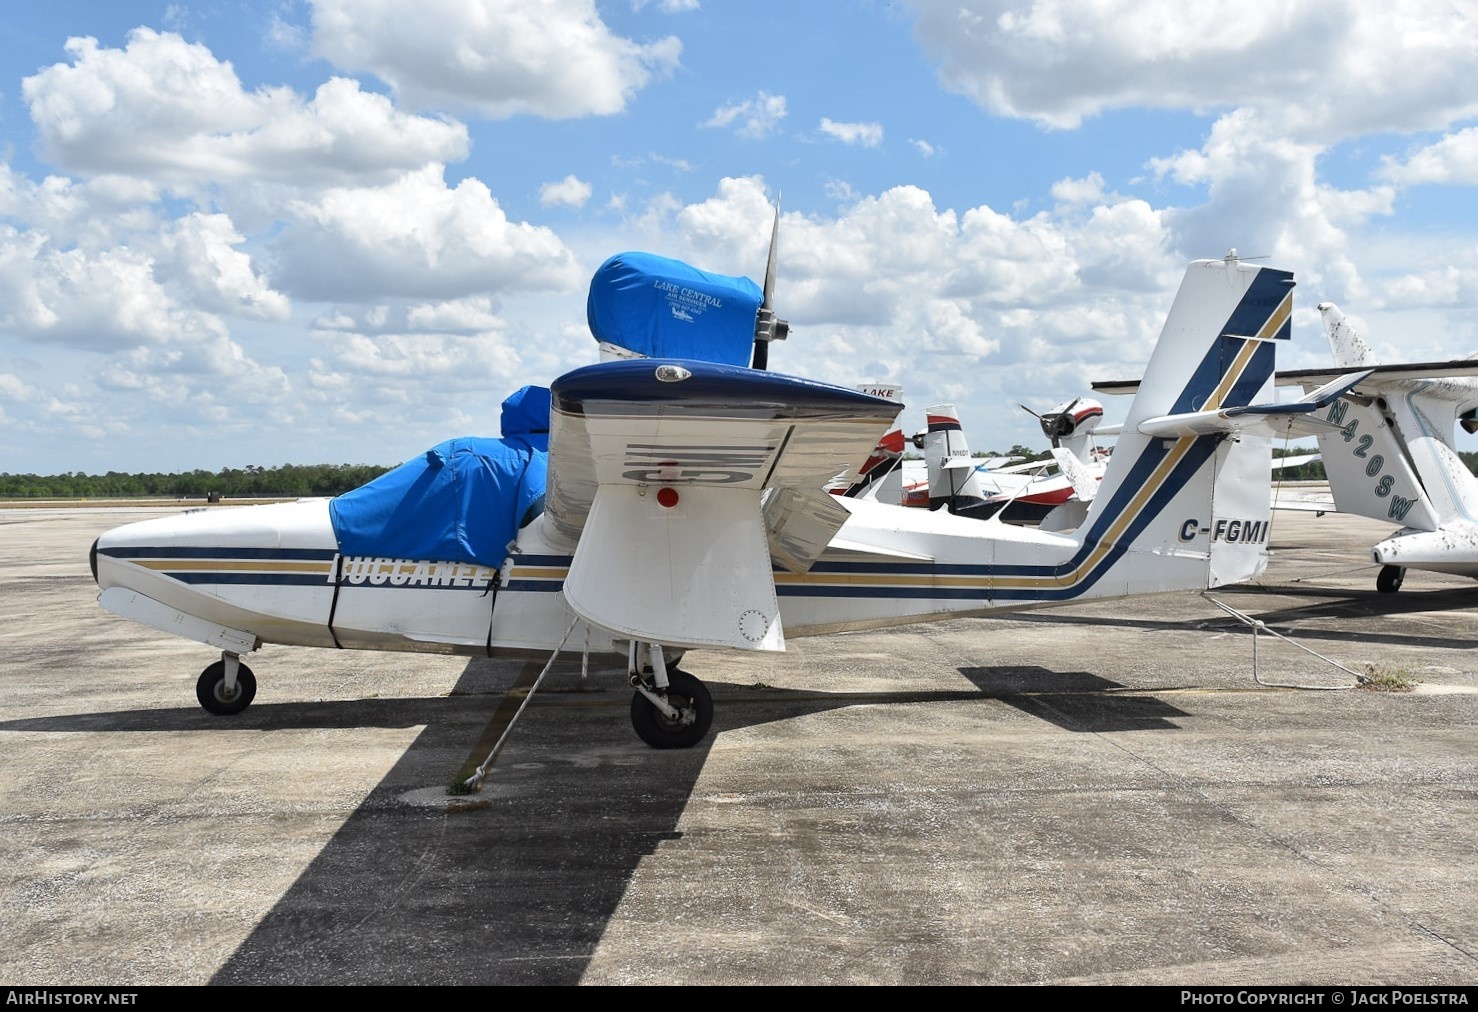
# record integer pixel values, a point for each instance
(667, 496)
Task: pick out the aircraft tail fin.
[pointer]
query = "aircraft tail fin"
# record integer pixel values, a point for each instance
(1350, 349)
(954, 484)
(882, 470)
(1389, 454)
(1185, 498)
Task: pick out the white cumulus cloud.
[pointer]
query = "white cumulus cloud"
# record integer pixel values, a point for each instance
(1324, 68)
(168, 110)
(866, 135)
(553, 58)
(752, 118)
(416, 237)
(568, 192)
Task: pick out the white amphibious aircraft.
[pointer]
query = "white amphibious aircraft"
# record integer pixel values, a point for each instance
(1389, 453)
(685, 506)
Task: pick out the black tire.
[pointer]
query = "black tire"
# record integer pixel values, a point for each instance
(690, 697)
(1389, 579)
(208, 689)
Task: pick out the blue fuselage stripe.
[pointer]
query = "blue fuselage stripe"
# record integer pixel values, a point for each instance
(185, 552)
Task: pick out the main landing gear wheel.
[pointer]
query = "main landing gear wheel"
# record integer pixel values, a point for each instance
(694, 706)
(211, 689)
(1390, 578)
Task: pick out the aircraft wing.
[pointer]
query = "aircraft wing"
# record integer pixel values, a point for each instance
(1116, 386)
(1309, 378)
(991, 463)
(1030, 466)
(1300, 500)
(1279, 463)
(683, 483)
(1451, 368)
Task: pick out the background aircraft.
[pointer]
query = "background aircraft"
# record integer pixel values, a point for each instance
(1023, 493)
(684, 506)
(1039, 492)
(1390, 456)
(1017, 490)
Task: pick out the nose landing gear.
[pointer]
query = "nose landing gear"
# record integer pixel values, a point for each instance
(227, 686)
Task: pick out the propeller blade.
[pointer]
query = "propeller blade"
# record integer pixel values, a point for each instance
(767, 327)
(770, 264)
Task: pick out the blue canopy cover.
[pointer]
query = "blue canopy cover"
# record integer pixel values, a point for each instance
(463, 500)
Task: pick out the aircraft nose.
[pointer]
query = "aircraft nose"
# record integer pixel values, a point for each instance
(92, 559)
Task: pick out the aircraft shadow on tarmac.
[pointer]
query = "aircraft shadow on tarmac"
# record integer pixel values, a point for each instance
(736, 706)
(521, 891)
(1343, 606)
(517, 883)
(342, 714)
(1074, 700)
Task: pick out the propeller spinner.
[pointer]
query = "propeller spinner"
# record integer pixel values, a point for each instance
(1055, 424)
(1064, 420)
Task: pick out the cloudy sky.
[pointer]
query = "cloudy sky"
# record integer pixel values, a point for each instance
(340, 231)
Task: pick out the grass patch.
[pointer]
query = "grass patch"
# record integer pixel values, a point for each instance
(459, 786)
(1389, 678)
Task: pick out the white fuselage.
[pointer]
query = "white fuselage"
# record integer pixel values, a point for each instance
(273, 574)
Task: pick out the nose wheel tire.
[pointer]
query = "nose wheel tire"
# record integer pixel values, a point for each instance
(211, 689)
(694, 706)
(1389, 579)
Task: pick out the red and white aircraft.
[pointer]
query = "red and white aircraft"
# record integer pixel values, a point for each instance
(1054, 493)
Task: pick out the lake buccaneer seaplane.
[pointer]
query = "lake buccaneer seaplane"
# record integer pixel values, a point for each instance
(682, 504)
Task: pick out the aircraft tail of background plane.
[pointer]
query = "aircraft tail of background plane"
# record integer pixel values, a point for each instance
(881, 476)
(1392, 457)
(953, 481)
(1350, 349)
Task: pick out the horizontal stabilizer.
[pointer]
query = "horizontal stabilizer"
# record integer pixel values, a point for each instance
(1293, 419)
